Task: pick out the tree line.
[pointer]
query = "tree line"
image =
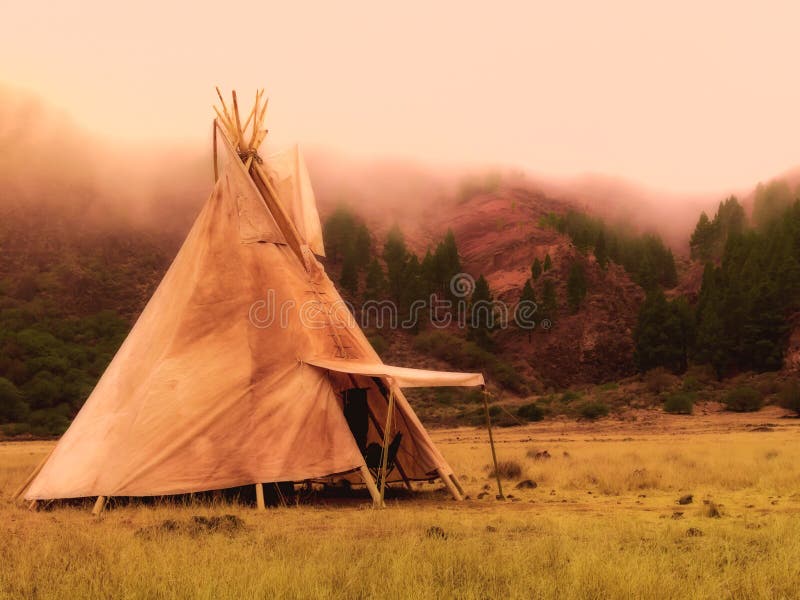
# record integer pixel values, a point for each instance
(750, 286)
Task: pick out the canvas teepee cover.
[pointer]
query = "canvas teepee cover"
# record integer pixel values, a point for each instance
(233, 372)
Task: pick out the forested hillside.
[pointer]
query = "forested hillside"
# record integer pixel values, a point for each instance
(70, 290)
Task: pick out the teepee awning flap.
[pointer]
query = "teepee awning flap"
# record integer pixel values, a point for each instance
(403, 377)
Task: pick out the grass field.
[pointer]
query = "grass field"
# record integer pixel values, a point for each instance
(603, 523)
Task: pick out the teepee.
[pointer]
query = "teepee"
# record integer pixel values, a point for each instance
(237, 370)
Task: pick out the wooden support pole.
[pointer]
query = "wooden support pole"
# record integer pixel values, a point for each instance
(253, 111)
(379, 429)
(383, 391)
(99, 505)
(33, 505)
(238, 121)
(454, 479)
(491, 443)
(385, 450)
(370, 483)
(258, 134)
(214, 151)
(279, 493)
(260, 497)
(224, 120)
(222, 100)
(281, 217)
(445, 477)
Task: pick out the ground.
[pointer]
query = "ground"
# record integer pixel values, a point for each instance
(604, 521)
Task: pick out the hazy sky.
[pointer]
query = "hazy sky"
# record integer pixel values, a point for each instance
(682, 96)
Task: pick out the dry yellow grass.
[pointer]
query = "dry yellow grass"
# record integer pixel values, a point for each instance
(600, 524)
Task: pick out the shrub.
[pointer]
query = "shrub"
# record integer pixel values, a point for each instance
(743, 399)
(508, 469)
(569, 396)
(530, 412)
(48, 422)
(690, 384)
(789, 396)
(12, 406)
(593, 410)
(767, 384)
(680, 403)
(659, 380)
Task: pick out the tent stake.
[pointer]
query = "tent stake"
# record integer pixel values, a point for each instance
(260, 496)
(99, 505)
(370, 483)
(491, 443)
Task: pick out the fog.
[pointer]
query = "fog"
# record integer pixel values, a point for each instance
(47, 163)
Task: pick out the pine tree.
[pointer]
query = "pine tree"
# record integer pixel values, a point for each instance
(429, 274)
(481, 317)
(362, 246)
(702, 238)
(548, 264)
(536, 269)
(549, 300)
(576, 287)
(396, 255)
(375, 283)
(413, 287)
(349, 276)
(528, 297)
(446, 263)
(663, 333)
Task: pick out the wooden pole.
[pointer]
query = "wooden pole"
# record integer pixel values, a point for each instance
(238, 122)
(252, 111)
(222, 100)
(224, 120)
(445, 477)
(256, 137)
(99, 505)
(383, 391)
(260, 497)
(280, 495)
(214, 151)
(491, 443)
(370, 483)
(385, 451)
(32, 476)
(379, 429)
(454, 479)
(282, 219)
